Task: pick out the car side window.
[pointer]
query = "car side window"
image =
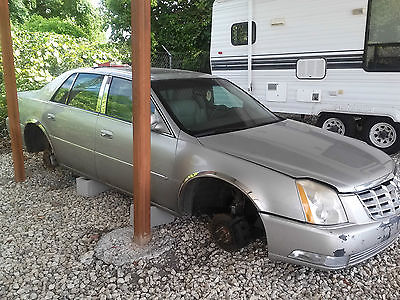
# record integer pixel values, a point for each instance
(119, 104)
(62, 93)
(85, 91)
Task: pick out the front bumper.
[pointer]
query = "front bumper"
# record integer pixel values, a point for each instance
(328, 247)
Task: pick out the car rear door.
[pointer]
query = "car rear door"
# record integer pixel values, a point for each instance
(70, 119)
(114, 145)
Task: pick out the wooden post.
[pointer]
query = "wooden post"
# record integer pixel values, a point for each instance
(141, 32)
(11, 92)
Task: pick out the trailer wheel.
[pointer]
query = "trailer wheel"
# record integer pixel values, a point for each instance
(230, 233)
(383, 134)
(341, 124)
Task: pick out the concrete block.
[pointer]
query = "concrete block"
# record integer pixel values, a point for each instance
(88, 187)
(158, 216)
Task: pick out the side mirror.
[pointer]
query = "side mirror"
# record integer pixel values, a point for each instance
(156, 124)
(154, 121)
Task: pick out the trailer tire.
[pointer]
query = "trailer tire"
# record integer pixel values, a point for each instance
(382, 133)
(341, 124)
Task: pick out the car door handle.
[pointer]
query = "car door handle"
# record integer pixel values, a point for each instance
(51, 116)
(106, 134)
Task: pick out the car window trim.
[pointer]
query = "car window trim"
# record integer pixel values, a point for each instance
(98, 97)
(69, 90)
(104, 97)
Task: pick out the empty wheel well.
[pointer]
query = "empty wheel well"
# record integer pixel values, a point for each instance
(35, 139)
(210, 196)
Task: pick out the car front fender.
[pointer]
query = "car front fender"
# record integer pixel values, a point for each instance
(270, 191)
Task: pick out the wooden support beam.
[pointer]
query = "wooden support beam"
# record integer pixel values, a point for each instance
(141, 32)
(11, 92)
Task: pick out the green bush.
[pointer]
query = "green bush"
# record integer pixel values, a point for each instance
(56, 25)
(41, 56)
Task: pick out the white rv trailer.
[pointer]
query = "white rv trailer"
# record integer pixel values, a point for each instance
(337, 59)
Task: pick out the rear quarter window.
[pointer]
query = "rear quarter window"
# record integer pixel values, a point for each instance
(62, 93)
(85, 92)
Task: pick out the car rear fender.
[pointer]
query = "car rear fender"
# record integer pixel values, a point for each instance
(41, 127)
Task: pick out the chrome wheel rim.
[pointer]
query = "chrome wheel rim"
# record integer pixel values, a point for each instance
(334, 125)
(382, 135)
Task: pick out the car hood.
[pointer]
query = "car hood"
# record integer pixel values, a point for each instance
(304, 151)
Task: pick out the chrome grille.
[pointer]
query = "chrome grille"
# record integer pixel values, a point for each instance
(381, 201)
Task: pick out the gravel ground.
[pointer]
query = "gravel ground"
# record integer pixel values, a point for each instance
(49, 233)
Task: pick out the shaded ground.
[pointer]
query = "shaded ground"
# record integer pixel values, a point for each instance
(5, 145)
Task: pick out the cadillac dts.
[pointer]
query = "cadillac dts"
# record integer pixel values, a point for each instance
(317, 198)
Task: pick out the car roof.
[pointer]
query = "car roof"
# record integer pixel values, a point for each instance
(156, 73)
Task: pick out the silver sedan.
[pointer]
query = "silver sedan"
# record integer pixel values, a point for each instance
(317, 198)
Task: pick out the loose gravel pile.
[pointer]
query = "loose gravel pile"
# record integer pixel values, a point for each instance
(48, 235)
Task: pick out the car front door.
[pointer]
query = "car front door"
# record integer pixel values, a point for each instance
(70, 119)
(114, 145)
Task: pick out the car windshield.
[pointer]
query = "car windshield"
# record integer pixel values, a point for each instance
(207, 106)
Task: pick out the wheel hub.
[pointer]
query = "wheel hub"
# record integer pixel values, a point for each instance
(334, 128)
(334, 125)
(383, 135)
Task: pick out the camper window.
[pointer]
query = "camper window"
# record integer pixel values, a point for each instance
(314, 68)
(239, 33)
(382, 45)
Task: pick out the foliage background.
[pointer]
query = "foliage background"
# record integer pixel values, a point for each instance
(52, 36)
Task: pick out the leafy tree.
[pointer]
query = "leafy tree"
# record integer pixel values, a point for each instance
(189, 23)
(48, 8)
(182, 26)
(117, 13)
(84, 15)
(18, 11)
(78, 12)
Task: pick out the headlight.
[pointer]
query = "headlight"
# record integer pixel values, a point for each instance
(321, 205)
